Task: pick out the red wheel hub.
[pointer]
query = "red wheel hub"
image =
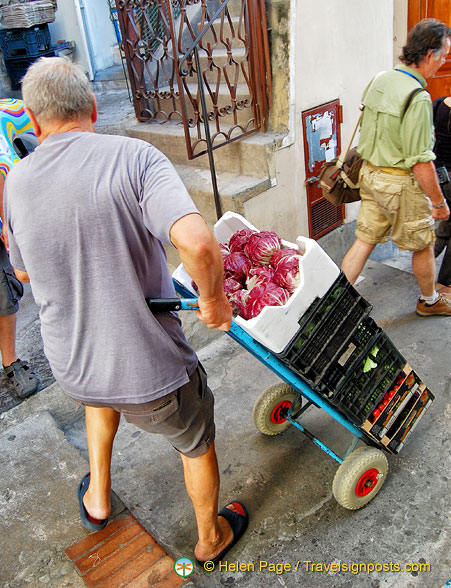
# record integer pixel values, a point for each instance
(367, 482)
(278, 410)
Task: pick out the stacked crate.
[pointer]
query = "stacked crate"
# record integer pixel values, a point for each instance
(20, 47)
(400, 410)
(342, 353)
(325, 335)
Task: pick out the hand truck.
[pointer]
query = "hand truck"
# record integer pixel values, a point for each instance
(361, 472)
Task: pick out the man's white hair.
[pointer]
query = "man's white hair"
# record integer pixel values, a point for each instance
(54, 88)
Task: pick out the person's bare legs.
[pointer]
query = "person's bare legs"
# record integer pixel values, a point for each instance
(8, 339)
(101, 428)
(355, 259)
(202, 485)
(423, 266)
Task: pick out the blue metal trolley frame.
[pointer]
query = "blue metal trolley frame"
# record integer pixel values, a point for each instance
(361, 472)
(292, 379)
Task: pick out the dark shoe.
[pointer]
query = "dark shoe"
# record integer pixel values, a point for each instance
(441, 308)
(23, 379)
(238, 521)
(87, 520)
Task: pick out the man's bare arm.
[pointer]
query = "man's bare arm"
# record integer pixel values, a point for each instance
(202, 259)
(427, 178)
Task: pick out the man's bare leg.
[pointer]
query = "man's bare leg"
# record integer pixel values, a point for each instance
(101, 428)
(202, 485)
(423, 266)
(355, 259)
(8, 339)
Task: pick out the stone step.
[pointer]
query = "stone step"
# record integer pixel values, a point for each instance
(234, 6)
(223, 99)
(226, 31)
(250, 156)
(111, 79)
(234, 190)
(109, 85)
(224, 61)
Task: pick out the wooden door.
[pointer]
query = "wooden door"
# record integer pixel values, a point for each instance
(440, 84)
(321, 129)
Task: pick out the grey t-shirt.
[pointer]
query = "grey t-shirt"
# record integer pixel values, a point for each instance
(87, 215)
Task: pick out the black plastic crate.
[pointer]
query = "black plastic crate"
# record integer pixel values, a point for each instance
(17, 67)
(326, 330)
(357, 392)
(25, 42)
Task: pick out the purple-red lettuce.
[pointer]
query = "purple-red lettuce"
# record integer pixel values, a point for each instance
(288, 279)
(268, 294)
(239, 239)
(259, 275)
(286, 269)
(238, 302)
(279, 255)
(224, 249)
(261, 246)
(237, 266)
(230, 285)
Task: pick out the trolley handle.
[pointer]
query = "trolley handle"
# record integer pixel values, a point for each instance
(169, 304)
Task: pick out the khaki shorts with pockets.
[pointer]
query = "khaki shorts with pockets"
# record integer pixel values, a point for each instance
(394, 206)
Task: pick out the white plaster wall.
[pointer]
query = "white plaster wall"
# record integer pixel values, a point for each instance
(101, 33)
(99, 28)
(66, 28)
(339, 45)
(400, 8)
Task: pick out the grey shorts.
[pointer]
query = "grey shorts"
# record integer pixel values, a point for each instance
(11, 290)
(185, 417)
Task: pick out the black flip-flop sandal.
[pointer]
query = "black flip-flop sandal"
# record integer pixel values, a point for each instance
(87, 520)
(238, 521)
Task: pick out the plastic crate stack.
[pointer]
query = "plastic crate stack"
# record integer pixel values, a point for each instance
(20, 47)
(349, 360)
(324, 334)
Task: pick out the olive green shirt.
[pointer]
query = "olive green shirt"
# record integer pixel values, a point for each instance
(385, 139)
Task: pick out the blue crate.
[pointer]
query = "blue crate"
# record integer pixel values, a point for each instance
(25, 42)
(16, 67)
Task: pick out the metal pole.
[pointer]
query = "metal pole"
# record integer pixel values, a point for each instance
(208, 136)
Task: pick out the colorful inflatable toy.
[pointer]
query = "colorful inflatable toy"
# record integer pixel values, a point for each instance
(14, 123)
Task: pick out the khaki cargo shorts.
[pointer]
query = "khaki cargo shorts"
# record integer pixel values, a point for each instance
(394, 206)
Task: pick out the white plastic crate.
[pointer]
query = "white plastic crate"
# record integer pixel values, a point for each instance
(275, 326)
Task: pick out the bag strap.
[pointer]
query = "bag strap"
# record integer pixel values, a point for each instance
(408, 102)
(345, 151)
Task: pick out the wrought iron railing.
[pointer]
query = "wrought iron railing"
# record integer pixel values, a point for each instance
(202, 63)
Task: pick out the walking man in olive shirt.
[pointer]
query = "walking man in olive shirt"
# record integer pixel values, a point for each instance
(399, 189)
